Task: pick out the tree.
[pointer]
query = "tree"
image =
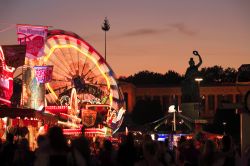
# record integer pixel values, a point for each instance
(173, 78)
(152, 78)
(212, 74)
(146, 78)
(229, 75)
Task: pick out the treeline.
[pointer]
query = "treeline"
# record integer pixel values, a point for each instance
(210, 75)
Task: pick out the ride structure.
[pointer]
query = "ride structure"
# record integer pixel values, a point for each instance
(68, 79)
(83, 82)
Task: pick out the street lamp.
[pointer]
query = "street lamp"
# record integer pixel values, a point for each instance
(172, 109)
(105, 28)
(198, 80)
(224, 127)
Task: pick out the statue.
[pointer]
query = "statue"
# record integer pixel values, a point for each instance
(190, 89)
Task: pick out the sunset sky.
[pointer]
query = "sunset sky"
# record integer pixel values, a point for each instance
(157, 35)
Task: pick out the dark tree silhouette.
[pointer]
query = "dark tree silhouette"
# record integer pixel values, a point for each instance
(218, 75)
(153, 78)
(173, 78)
(211, 75)
(146, 78)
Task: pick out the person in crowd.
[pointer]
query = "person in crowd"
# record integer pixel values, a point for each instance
(23, 155)
(127, 153)
(80, 152)
(56, 150)
(8, 151)
(150, 157)
(107, 154)
(228, 150)
(165, 155)
(209, 156)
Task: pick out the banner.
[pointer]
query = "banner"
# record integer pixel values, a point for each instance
(33, 37)
(43, 74)
(14, 55)
(6, 81)
(88, 117)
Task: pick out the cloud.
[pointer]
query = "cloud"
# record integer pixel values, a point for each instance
(145, 31)
(179, 27)
(182, 28)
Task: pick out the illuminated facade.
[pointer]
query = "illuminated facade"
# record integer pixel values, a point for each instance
(212, 97)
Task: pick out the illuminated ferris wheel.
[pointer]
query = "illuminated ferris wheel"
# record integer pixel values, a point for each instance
(79, 69)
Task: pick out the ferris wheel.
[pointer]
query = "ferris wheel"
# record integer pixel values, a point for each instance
(79, 67)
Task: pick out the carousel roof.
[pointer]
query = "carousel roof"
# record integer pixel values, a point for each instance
(22, 113)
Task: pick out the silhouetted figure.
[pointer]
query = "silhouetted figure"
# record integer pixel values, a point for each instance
(23, 155)
(80, 152)
(191, 154)
(150, 157)
(127, 152)
(107, 156)
(190, 89)
(55, 151)
(8, 151)
(227, 148)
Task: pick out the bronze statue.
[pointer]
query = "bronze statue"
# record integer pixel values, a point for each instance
(190, 90)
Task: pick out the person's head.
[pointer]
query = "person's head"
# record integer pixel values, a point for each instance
(149, 149)
(107, 145)
(191, 62)
(23, 144)
(10, 137)
(57, 139)
(40, 140)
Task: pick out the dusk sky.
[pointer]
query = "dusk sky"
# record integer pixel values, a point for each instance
(157, 35)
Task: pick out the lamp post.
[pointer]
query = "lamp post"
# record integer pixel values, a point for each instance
(198, 80)
(105, 28)
(224, 127)
(172, 109)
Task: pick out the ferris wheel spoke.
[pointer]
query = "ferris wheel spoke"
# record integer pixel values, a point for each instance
(66, 61)
(94, 77)
(60, 75)
(84, 64)
(61, 89)
(96, 84)
(89, 71)
(72, 59)
(59, 80)
(59, 66)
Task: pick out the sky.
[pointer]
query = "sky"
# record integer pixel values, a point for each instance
(154, 35)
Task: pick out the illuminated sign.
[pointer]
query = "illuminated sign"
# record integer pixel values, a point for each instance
(33, 37)
(43, 73)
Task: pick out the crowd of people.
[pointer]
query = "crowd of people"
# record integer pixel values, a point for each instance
(54, 149)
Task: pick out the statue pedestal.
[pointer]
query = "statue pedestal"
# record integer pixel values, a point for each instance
(191, 110)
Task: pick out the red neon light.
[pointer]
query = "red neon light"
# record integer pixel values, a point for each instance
(57, 109)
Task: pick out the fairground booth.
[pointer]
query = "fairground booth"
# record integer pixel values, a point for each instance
(54, 77)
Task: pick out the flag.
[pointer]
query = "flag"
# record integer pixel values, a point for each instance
(14, 55)
(43, 74)
(6, 80)
(33, 37)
